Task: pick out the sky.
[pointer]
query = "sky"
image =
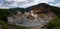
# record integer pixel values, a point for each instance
(26, 3)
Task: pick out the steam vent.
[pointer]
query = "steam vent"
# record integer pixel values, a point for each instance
(37, 17)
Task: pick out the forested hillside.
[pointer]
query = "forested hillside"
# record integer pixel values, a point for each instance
(55, 23)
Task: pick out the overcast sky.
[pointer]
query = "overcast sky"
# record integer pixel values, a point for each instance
(26, 3)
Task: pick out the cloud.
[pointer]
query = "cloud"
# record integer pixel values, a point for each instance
(37, 2)
(58, 5)
(21, 3)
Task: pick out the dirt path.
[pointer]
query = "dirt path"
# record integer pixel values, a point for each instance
(14, 27)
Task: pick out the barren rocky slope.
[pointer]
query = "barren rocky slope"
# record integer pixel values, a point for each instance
(37, 17)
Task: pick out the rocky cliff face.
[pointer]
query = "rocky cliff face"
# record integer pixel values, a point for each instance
(39, 16)
(42, 11)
